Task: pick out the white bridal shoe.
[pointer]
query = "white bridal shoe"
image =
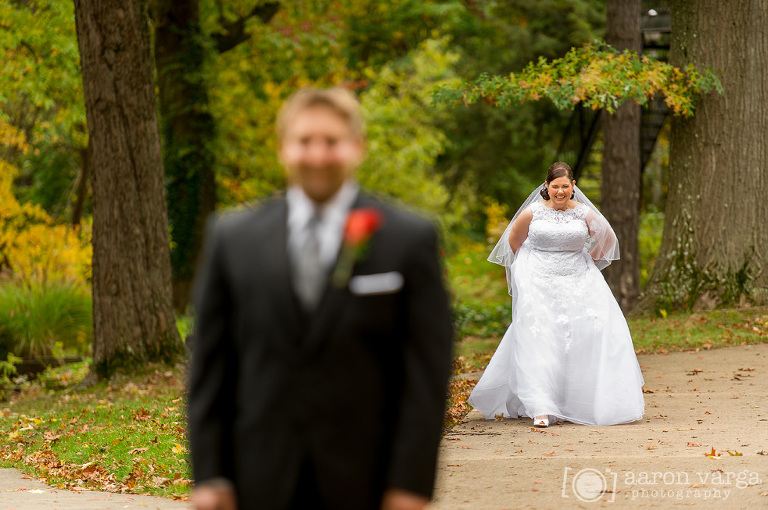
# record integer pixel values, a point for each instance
(541, 422)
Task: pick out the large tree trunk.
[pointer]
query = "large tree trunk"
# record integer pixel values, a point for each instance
(189, 133)
(133, 317)
(715, 244)
(620, 191)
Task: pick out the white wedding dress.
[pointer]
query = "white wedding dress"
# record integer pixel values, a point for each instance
(568, 352)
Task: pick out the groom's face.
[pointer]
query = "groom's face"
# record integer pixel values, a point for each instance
(320, 151)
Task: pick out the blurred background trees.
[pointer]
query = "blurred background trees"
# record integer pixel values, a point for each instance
(222, 68)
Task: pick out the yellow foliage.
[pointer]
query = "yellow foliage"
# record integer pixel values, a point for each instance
(496, 219)
(33, 248)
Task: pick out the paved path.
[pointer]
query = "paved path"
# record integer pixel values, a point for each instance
(698, 401)
(20, 492)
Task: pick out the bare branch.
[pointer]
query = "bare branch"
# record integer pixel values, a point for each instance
(234, 32)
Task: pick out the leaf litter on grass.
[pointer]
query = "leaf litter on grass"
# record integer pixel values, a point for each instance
(128, 436)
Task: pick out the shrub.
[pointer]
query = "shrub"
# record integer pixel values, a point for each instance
(45, 319)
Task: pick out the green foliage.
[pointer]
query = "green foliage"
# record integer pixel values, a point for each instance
(504, 153)
(186, 326)
(7, 374)
(596, 75)
(476, 320)
(481, 304)
(64, 376)
(649, 243)
(43, 320)
(404, 137)
(41, 94)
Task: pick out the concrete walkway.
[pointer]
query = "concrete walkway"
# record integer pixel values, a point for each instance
(695, 402)
(21, 492)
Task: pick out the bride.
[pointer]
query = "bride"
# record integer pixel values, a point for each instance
(568, 354)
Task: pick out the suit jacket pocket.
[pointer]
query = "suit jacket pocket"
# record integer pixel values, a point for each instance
(376, 312)
(376, 284)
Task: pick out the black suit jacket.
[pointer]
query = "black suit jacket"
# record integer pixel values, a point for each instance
(356, 391)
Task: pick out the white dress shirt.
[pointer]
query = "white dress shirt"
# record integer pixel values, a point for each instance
(333, 217)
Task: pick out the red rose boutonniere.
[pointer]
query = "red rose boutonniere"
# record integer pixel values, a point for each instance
(361, 225)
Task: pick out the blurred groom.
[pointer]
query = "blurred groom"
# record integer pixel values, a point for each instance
(323, 336)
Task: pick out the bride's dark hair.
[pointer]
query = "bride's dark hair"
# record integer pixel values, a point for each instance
(558, 169)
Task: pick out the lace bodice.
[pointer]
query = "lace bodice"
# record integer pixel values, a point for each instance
(553, 230)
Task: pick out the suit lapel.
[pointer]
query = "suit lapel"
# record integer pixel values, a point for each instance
(280, 269)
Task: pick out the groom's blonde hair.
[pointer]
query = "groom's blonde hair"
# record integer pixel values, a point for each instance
(340, 100)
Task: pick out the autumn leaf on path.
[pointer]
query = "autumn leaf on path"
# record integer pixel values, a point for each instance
(734, 453)
(712, 454)
(693, 444)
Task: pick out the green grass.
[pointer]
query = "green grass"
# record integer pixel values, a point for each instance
(128, 435)
(699, 331)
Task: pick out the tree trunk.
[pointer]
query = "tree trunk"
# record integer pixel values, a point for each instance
(133, 317)
(81, 188)
(620, 190)
(189, 134)
(715, 244)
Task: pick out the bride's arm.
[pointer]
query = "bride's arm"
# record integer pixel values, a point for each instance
(519, 232)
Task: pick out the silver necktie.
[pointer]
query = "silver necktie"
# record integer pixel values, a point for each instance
(309, 275)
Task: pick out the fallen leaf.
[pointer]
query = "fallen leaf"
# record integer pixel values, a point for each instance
(734, 453)
(159, 481)
(138, 450)
(693, 444)
(712, 454)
